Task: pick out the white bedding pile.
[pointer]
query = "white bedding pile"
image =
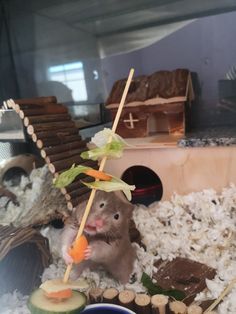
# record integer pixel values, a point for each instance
(200, 226)
(25, 196)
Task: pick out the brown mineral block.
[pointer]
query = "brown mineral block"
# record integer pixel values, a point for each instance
(185, 275)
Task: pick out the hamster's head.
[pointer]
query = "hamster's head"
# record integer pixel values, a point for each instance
(108, 215)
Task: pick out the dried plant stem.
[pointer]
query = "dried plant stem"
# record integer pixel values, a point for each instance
(221, 296)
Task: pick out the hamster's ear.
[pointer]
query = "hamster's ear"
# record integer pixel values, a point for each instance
(125, 205)
(129, 207)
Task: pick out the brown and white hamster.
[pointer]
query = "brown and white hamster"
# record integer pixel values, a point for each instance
(107, 231)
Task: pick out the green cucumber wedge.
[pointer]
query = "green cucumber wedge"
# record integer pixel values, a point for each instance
(39, 304)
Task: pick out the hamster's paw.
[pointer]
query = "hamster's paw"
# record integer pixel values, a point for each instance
(88, 252)
(67, 258)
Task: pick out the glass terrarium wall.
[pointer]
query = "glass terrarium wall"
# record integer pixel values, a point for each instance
(66, 47)
(44, 54)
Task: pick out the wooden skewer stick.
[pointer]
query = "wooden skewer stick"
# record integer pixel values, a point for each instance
(102, 165)
(221, 297)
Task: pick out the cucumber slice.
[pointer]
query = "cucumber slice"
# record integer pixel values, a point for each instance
(39, 304)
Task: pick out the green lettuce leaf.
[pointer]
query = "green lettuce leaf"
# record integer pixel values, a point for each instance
(68, 176)
(111, 150)
(115, 184)
(101, 138)
(155, 289)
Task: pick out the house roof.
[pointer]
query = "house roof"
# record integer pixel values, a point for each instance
(162, 87)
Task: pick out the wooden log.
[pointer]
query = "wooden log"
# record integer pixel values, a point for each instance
(63, 155)
(194, 309)
(49, 109)
(47, 142)
(73, 203)
(110, 295)
(95, 295)
(126, 299)
(50, 126)
(46, 118)
(142, 304)
(76, 184)
(177, 307)
(159, 304)
(65, 163)
(76, 193)
(62, 148)
(37, 100)
(59, 133)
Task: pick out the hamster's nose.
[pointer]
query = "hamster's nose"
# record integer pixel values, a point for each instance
(99, 223)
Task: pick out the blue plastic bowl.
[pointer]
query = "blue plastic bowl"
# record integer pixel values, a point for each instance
(106, 309)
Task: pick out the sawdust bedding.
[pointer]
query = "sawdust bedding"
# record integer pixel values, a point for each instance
(204, 221)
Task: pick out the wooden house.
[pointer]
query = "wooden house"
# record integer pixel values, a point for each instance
(155, 103)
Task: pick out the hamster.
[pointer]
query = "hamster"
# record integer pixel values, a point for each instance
(107, 231)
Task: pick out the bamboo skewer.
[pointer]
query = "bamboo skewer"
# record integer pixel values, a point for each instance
(102, 165)
(221, 297)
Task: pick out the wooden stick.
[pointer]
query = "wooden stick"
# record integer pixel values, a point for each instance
(46, 118)
(126, 299)
(47, 142)
(110, 295)
(194, 309)
(62, 164)
(11, 104)
(75, 194)
(75, 185)
(62, 148)
(142, 304)
(59, 133)
(102, 164)
(221, 297)
(95, 295)
(73, 203)
(37, 100)
(49, 109)
(178, 307)
(64, 155)
(50, 126)
(159, 303)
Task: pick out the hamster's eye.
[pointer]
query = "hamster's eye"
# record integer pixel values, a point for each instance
(102, 205)
(116, 216)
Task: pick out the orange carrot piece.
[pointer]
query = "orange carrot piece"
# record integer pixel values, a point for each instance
(59, 295)
(77, 249)
(98, 175)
